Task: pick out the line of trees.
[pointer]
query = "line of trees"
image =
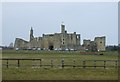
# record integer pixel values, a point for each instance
(112, 48)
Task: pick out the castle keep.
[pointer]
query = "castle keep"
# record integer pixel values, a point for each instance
(61, 41)
(56, 41)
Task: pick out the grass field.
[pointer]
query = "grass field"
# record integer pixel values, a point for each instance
(59, 74)
(29, 73)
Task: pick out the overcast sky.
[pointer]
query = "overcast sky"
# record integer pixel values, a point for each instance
(90, 19)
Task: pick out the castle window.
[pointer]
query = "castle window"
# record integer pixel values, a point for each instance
(100, 42)
(63, 42)
(63, 39)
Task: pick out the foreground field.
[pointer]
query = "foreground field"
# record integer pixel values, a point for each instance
(29, 73)
(59, 74)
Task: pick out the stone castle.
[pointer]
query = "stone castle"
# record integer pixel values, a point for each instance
(56, 41)
(59, 41)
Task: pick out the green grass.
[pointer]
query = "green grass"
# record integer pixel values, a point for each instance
(57, 73)
(55, 54)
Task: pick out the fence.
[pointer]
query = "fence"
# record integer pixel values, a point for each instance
(36, 62)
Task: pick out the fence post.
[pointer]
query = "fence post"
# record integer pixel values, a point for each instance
(18, 63)
(40, 63)
(7, 63)
(104, 64)
(33, 63)
(74, 63)
(84, 62)
(116, 64)
(62, 63)
(51, 63)
(95, 64)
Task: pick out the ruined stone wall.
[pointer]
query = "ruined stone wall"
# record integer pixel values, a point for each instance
(100, 41)
(78, 40)
(86, 42)
(20, 43)
(74, 41)
(48, 40)
(70, 40)
(33, 43)
(57, 41)
(63, 37)
(39, 42)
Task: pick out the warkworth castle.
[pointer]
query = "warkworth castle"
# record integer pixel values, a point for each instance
(60, 41)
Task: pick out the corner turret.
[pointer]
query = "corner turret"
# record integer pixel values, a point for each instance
(31, 34)
(62, 28)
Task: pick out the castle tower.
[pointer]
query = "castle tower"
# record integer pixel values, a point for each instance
(31, 34)
(62, 28)
(101, 43)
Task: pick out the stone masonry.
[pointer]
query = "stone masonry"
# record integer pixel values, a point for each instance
(62, 40)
